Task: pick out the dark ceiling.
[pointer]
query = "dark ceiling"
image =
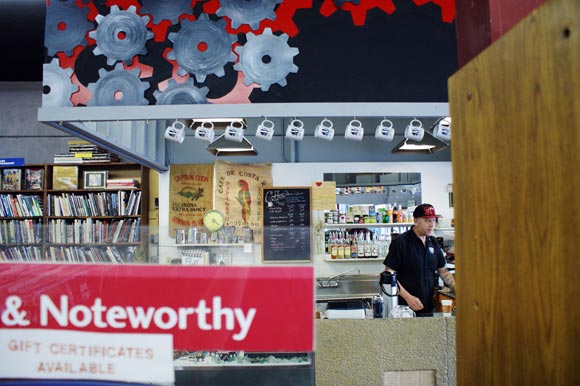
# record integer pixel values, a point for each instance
(22, 30)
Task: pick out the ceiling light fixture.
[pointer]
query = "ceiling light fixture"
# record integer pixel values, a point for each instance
(427, 145)
(224, 147)
(218, 120)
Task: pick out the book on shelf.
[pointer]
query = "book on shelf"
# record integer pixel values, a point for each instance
(33, 178)
(65, 177)
(122, 183)
(11, 179)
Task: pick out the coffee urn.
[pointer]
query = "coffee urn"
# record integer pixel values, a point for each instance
(390, 291)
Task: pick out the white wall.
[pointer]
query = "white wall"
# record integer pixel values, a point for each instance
(435, 176)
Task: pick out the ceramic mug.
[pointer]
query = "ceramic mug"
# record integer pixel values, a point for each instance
(265, 130)
(354, 130)
(324, 130)
(295, 130)
(414, 130)
(205, 131)
(385, 131)
(235, 131)
(175, 132)
(443, 131)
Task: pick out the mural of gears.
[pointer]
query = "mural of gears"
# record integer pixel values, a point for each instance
(121, 35)
(118, 87)
(266, 59)
(251, 51)
(202, 47)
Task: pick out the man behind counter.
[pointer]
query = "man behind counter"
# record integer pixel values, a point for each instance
(415, 256)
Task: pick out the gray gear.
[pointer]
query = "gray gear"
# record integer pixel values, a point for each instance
(121, 35)
(181, 94)
(202, 47)
(118, 88)
(166, 9)
(266, 59)
(57, 86)
(250, 12)
(65, 27)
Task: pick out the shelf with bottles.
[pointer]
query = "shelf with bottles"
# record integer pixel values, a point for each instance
(355, 244)
(405, 225)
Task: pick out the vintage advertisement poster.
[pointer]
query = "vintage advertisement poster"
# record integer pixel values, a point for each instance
(238, 194)
(190, 195)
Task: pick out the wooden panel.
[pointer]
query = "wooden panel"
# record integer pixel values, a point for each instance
(516, 152)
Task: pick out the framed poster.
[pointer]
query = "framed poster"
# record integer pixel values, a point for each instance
(286, 225)
(95, 179)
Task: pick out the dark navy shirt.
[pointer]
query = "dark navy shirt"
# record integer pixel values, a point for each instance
(415, 265)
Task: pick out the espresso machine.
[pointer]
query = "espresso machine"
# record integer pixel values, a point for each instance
(389, 291)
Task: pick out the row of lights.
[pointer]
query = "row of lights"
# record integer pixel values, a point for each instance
(324, 130)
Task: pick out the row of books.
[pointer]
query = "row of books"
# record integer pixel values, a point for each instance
(21, 253)
(89, 231)
(120, 203)
(19, 205)
(110, 254)
(12, 179)
(20, 231)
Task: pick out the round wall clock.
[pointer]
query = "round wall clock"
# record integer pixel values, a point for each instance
(213, 220)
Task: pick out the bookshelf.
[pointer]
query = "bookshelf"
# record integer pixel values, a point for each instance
(81, 212)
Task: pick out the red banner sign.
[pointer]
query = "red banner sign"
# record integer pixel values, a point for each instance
(255, 309)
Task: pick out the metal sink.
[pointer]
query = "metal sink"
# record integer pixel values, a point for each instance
(349, 287)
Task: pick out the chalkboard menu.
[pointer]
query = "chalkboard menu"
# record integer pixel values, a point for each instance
(286, 225)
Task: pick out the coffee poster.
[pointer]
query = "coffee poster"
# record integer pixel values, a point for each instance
(190, 195)
(238, 194)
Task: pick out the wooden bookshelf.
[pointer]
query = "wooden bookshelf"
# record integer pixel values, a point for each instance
(73, 222)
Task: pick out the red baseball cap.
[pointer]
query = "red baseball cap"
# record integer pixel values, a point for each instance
(425, 210)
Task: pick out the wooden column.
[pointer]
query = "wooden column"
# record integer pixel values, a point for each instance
(516, 153)
(480, 23)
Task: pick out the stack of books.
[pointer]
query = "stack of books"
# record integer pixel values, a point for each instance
(122, 183)
(82, 152)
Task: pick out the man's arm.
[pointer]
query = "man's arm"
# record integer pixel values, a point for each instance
(447, 278)
(412, 301)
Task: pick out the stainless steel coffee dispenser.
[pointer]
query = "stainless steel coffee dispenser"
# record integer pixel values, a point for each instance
(389, 291)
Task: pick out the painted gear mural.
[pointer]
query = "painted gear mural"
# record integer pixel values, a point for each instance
(166, 9)
(66, 26)
(121, 35)
(57, 85)
(181, 94)
(266, 59)
(250, 12)
(202, 47)
(118, 88)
